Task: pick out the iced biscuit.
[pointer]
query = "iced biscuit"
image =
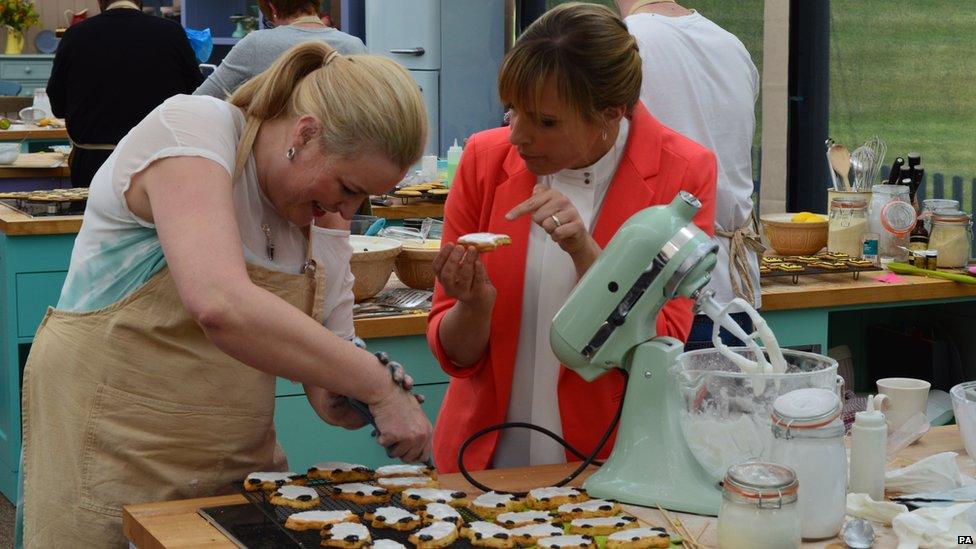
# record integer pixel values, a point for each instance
(296, 497)
(492, 504)
(484, 242)
(347, 535)
(437, 534)
(393, 518)
(360, 493)
(529, 534)
(552, 497)
(399, 484)
(404, 470)
(521, 518)
(488, 534)
(589, 508)
(415, 498)
(268, 481)
(387, 544)
(316, 520)
(340, 471)
(567, 542)
(639, 538)
(440, 512)
(601, 526)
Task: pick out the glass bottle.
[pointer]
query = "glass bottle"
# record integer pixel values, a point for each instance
(847, 225)
(952, 237)
(759, 507)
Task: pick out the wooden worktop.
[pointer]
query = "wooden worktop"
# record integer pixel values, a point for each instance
(177, 524)
(14, 223)
(37, 165)
(20, 132)
(419, 208)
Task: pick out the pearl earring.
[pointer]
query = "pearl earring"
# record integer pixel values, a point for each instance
(290, 153)
(604, 135)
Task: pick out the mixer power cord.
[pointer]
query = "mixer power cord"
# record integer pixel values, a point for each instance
(587, 459)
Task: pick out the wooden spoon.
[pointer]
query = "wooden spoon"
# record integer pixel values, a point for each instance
(840, 161)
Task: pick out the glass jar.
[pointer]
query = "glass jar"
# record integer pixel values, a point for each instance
(952, 237)
(847, 226)
(892, 216)
(759, 507)
(809, 438)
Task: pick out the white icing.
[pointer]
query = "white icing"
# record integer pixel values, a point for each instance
(271, 477)
(325, 517)
(487, 529)
(391, 470)
(524, 517)
(353, 487)
(339, 466)
(586, 506)
(392, 515)
(481, 238)
(565, 541)
(343, 530)
(493, 499)
(387, 544)
(437, 530)
(404, 481)
(553, 492)
(431, 494)
(627, 535)
(441, 511)
(536, 530)
(600, 521)
(294, 492)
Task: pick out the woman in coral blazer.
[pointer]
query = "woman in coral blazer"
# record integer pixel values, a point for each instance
(580, 157)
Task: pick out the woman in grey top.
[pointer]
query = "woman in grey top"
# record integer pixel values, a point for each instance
(295, 21)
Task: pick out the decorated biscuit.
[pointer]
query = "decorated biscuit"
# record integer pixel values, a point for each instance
(589, 508)
(491, 504)
(316, 520)
(639, 538)
(269, 481)
(521, 518)
(553, 497)
(484, 242)
(440, 512)
(417, 497)
(340, 471)
(296, 497)
(531, 533)
(567, 542)
(488, 534)
(399, 484)
(358, 492)
(437, 534)
(601, 526)
(348, 535)
(404, 470)
(394, 518)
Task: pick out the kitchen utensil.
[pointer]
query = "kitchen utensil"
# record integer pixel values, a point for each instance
(840, 161)
(46, 41)
(906, 269)
(789, 238)
(893, 175)
(363, 411)
(835, 185)
(858, 534)
(880, 149)
(403, 298)
(862, 161)
(376, 227)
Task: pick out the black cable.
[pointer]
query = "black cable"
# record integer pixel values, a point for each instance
(587, 460)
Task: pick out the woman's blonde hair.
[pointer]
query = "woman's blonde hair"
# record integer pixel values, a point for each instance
(587, 50)
(363, 102)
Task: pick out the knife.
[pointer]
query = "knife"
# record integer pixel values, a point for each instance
(363, 410)
(895, 171)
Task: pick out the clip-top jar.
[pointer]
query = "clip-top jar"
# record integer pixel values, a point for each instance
(892, 217)
(952, 237)
(809, 438)
(847, 226)
(759, 507)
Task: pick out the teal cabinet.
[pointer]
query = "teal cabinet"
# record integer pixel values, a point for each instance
(31, 71)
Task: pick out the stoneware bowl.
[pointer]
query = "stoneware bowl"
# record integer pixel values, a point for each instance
(371, 264)
(414, 265)
(9, 152)
(789, 238)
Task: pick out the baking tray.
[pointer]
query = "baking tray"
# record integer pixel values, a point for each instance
(277, 514)
(810, 271)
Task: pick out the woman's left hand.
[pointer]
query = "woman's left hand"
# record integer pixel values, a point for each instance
(551, 210)
(333, 408)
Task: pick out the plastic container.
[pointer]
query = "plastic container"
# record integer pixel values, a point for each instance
(809, 438)
(847, 226)
(964, 408)
(453, 159)
(952, 237)
(9, 152)
(869, 438)
(759, 508)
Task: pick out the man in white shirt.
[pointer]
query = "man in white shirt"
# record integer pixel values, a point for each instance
(700, 81)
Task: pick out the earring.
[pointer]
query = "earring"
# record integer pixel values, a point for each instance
(290, 153)
(604, 135)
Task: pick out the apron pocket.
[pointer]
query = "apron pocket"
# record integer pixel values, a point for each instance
(139, 449)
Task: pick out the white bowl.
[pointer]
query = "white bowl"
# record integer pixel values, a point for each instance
(9, 152)
(964, 408)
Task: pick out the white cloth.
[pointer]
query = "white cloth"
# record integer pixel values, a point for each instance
(700, 81)
(935, 527)
(116, 251)
(862, 506)
(549, 278)
(936, 472)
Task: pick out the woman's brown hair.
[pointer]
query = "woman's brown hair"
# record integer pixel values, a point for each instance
(587, 50)
(363, 102)
(289, 8)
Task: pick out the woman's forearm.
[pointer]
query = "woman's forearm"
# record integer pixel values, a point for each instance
(586, 257)
(464, 332)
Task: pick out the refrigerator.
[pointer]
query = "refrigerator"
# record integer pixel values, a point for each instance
(453, 49)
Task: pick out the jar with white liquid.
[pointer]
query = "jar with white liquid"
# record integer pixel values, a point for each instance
(952, 237)
(809, 438)
(847, 226)
(759, 507)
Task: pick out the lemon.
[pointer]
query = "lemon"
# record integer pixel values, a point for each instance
(807, 217)
(4, 124)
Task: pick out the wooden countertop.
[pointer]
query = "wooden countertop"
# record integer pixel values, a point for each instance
(833, 290)
(177, 524)
(37, 165)
(20, 132)
(14, 223)
(420, 208)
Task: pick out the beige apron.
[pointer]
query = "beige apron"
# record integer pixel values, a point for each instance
(132, 403)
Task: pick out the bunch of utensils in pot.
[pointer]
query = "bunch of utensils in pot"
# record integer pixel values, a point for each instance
(857, 170)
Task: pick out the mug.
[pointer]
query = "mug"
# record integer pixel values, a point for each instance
(73, 18)
(906, 397)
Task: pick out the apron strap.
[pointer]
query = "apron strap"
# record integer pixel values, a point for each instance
(742, 240)
(641, 3)
(91, 146)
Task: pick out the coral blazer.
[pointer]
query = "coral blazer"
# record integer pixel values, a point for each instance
(491, 180)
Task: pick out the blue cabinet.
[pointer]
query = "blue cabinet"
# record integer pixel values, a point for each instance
(30, 71)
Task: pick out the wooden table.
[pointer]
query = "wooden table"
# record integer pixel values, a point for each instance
(419, 208)
(14, 223)
(177, 524)
(23, 132)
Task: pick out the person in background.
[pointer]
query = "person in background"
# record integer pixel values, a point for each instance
(700, 81)
(109, 72)
(294, 22)
(581, 155)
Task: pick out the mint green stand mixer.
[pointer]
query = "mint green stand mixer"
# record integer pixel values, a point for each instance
(608, 322)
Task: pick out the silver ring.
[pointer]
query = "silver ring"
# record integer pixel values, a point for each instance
(555, 220)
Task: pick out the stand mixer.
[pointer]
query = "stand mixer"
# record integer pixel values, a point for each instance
(608, 322)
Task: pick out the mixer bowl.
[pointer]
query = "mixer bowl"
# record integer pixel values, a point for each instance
(725, 414)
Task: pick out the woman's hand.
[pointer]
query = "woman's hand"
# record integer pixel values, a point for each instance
(333, 408)
(463, 276)
(404, 429)
(551, 210)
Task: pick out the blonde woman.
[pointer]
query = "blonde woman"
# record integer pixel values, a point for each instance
(580, 157)
(191, 288)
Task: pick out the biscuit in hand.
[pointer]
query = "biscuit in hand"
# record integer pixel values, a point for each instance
(484, 242)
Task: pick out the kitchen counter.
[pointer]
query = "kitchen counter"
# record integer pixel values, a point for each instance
(177, 524)
(22, 132)
(419, 208)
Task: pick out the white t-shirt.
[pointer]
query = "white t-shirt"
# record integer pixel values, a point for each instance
(700, 81)
(116, 252)
(550, 277)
